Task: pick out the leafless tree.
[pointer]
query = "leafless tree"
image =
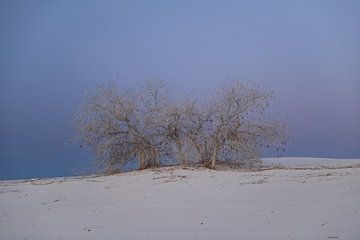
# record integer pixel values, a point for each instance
(123, 126)
(182, 131)
(236, 125)
(147, 127)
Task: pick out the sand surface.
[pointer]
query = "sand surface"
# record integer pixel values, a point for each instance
(172, 203)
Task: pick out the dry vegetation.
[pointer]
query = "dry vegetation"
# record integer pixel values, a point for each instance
(147, 128)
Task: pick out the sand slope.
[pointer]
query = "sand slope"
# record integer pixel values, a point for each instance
(172, 203)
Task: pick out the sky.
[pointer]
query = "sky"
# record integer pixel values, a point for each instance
(308, 52)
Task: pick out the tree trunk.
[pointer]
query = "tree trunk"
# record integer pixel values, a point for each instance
(213, 157)
(181, 154)
(198, 154)
(142, 160)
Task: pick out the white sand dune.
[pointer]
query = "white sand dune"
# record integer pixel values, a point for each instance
(301, 162)
(172, 203)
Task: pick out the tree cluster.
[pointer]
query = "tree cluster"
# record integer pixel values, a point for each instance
(146, 128)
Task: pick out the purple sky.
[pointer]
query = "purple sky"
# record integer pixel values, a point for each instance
(308, 52)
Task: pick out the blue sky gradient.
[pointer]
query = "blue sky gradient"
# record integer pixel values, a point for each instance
(308, 52)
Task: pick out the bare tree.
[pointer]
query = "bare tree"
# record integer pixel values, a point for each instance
(236, 125)
(152, 102)
(181, 130)
(146, 127)
(122, 126)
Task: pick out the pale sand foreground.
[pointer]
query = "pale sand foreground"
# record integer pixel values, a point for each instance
(181, 204)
